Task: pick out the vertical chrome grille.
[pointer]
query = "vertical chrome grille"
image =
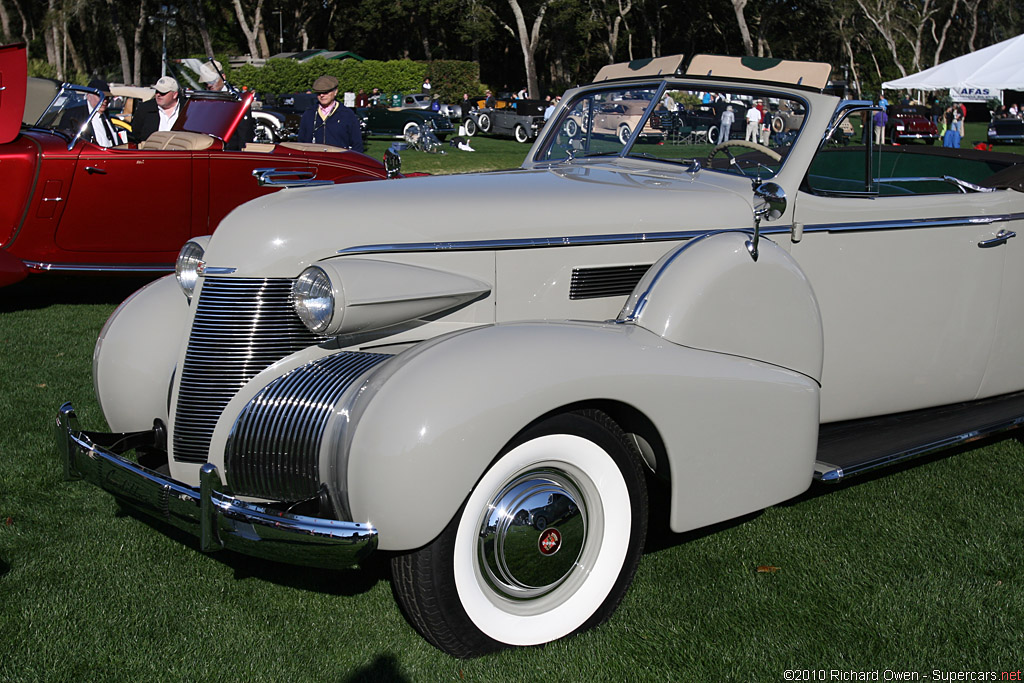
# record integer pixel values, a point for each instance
(273, 449)
(241, 326)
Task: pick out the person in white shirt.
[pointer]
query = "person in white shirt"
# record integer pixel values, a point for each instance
(100, 130)
(159, 113)
(753, 124)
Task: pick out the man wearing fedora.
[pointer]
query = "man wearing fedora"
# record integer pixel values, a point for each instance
(330, 123)
(100, 130)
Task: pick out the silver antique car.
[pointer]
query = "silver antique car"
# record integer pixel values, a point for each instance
(485, 402)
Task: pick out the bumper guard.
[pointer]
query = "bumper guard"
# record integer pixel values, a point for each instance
(218, 520)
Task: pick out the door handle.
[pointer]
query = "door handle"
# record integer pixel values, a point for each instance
(1001, 237)
(92, 169)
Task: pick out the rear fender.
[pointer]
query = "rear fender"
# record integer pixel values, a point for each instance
(407, 447)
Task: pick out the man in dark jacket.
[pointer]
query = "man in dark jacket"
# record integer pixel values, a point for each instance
(159, 113)
(330, 123)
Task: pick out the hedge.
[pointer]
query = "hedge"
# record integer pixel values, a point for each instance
(449, 78)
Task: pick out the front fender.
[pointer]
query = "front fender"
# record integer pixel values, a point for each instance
(134, 359)
(410, 445)
(709, 294)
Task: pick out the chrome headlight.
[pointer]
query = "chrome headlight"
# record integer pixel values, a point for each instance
(188, 264)
(313, 299)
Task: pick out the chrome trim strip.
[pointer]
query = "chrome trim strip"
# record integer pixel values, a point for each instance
(217, 519)
(526, 243)
(218, 270)
(831, 474)
(913, 223)
(101, 268)
(624, 238)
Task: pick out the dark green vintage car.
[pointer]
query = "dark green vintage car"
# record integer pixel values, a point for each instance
(396, 122)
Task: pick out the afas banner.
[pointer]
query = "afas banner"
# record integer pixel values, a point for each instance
(975, 94)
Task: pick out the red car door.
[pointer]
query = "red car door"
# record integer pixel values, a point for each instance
(129, 201)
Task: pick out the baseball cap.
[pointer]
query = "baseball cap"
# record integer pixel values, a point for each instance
(165, 85)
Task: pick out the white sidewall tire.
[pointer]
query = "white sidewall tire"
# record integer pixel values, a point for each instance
(571, 604)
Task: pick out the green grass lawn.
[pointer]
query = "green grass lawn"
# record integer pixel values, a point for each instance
(920, 570)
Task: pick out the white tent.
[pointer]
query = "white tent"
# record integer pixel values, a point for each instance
(996, 67)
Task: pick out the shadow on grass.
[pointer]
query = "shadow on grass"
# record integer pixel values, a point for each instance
(41, 291)
(661, 537)
(4, 567)
(346, 581)
(384, 668)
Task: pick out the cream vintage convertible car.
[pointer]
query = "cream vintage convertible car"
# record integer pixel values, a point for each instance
(737, 320)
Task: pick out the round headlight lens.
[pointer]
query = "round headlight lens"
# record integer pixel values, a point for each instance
(186, 268)
(313, 299)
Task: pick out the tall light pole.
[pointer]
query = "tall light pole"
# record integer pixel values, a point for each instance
(164, 16)
(280, 30)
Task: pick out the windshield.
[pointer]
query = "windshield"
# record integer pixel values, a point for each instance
(68, 112)
(737, 131)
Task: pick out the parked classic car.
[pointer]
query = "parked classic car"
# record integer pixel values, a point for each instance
(909, 123)
(737, 320)
(519, 119)
(1005, 130)
(399, 122)
(60, 187)
(619, 117)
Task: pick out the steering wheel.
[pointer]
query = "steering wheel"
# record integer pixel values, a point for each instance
(724, 146)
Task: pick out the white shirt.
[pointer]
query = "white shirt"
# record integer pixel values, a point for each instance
(104, 132)
(167, 120)
(753, 115)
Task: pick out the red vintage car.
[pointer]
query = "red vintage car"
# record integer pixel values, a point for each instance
(908, 122)
(74, 206)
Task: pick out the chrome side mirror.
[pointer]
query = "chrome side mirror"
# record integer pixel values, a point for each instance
(771, 208)
(774, 202)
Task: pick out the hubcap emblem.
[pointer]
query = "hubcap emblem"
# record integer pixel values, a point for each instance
(549, 542)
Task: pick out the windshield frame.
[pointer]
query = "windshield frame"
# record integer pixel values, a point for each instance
(66, 87)
(659, 86)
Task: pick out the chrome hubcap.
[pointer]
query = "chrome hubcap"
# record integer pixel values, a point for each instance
(532, 534)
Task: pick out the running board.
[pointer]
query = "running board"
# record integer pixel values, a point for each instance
(857, 446)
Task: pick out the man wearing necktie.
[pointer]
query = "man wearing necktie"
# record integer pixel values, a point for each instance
(101, 131)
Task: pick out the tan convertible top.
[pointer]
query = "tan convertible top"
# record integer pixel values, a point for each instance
(809, 74)
(659, 66)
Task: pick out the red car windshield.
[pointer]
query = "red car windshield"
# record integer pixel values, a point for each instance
(216, 116)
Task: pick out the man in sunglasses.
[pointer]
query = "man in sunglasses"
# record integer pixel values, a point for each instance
(159, 113)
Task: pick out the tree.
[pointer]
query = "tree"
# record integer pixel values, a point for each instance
(529, 38)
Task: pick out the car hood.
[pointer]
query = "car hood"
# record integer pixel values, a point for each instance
(279, 235)
(13, 83)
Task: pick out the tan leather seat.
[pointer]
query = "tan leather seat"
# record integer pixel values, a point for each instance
(176, 140)
(312, 147)
(261, 147)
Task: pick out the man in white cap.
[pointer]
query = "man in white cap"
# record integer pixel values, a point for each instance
(212, 75)
(330, 123)
(159, 113)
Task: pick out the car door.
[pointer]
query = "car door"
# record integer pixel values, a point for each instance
(906, 294)
(1005, 372)
(128, 201)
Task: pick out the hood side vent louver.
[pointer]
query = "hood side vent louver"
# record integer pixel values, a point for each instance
(594, 283)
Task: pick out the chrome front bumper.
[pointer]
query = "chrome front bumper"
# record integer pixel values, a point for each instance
(218, 520)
